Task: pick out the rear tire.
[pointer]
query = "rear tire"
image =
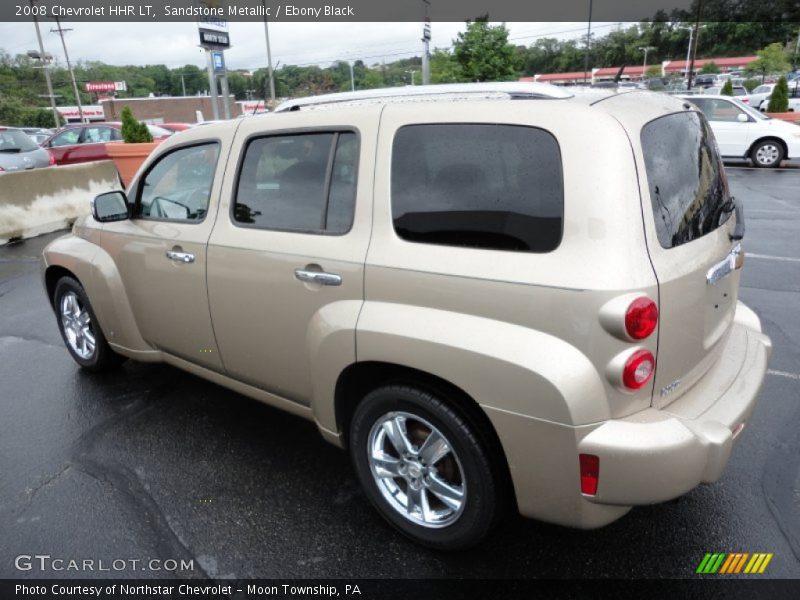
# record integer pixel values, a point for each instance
(79, 328)
(767, 154)
(424, 468)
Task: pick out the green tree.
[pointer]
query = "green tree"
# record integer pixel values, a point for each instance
(653, 71)
(710, 68)
(727, 88)
(445, 68)
(779, 100)
(771, 59)
(483, 52)
(133, 131)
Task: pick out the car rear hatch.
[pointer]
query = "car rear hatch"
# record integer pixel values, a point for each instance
(694, 248)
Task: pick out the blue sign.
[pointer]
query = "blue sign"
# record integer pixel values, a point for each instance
(218, 60)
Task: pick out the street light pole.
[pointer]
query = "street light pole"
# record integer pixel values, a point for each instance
(645, 49)
(43, 56)
(269, 56)
(588, 43)
(60, 32)
(426, 42)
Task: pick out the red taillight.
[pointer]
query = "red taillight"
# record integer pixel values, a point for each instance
(52, 159)
(590, 473)
(638, 369)
(641, 318)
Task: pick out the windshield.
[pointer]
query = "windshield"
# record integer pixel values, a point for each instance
(14, 140)
(688, 188)
(756, 114)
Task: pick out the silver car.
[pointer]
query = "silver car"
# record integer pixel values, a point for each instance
(18, 152)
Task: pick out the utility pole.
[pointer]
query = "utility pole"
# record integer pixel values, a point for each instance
(352, 78)
(588, 43)
(694, 49)
(183, 85)
(688, 56)
(43, 56)
(269, 56)
(426, 41)
(60, 30)
(645, 49)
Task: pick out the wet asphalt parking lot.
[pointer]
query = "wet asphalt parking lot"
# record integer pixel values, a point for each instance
(152, 463)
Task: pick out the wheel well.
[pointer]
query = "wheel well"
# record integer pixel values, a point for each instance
(51, 277)
(771, 139)
(357, 380)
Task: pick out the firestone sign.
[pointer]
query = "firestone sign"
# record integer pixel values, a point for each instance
(105, 86)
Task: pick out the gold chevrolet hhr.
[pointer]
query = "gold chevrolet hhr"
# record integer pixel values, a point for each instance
(495, 296)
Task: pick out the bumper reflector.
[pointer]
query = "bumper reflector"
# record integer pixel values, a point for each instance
(590, 473)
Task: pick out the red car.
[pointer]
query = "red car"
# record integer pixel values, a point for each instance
(86, 142)
(176, 127)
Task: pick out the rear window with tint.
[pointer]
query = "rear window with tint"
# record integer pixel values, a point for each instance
(14, 141)
(479, 186)
(688, 187)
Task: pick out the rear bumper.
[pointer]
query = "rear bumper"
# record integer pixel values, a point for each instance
(648, 457)
(656, 455)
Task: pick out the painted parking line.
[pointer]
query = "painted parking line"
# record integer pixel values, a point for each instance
(786, 374)
(770, 257)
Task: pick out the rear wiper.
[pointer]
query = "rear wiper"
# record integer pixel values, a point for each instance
(11, 150)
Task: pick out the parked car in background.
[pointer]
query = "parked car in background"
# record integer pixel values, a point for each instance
(794, 97)
(37, 134)
(87, 142)
(739, 91)
(743, 132)
(18, 152)
(176, 127)
(760, 93)
(453, 284)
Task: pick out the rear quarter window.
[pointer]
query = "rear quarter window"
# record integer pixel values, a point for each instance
(478, 186)
(686, 180)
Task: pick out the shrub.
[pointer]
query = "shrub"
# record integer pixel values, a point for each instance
(133, 131)
(751, 84)
(779, 100)
(727, 89)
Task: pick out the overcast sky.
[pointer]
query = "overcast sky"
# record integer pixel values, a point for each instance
(175, 44)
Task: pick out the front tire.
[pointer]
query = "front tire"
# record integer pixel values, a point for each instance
(767, 154)
(423, 467)
(79, 328)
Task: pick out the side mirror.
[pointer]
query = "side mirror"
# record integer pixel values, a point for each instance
(109, 207)
(742, 118)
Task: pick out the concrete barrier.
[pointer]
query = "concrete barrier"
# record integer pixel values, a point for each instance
(44, 200)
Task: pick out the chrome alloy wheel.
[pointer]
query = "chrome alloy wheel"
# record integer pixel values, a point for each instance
(767, 154)
(77, 326)
(416, 470)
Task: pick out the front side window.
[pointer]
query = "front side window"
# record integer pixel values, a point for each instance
(68, 138)
(716, 109)
(178, 186)
(304, 182)
(96, 135)
(688, 189)
(478, 186)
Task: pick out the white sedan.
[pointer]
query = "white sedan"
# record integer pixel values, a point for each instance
(743, 132)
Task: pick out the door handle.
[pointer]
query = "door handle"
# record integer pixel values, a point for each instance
(185, 257)
(319, 277)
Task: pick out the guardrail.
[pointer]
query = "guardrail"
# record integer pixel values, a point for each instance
(44, 200)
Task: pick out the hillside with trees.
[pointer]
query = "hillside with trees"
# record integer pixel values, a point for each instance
(482, 52)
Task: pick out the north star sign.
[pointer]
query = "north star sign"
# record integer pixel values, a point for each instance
(214, 39)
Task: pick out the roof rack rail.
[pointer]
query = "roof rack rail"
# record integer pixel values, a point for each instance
(449, 91)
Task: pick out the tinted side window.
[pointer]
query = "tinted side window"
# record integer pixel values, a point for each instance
(481, 186)
(304, 182)
(178, 186)
(67, 138)
(688, 189)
